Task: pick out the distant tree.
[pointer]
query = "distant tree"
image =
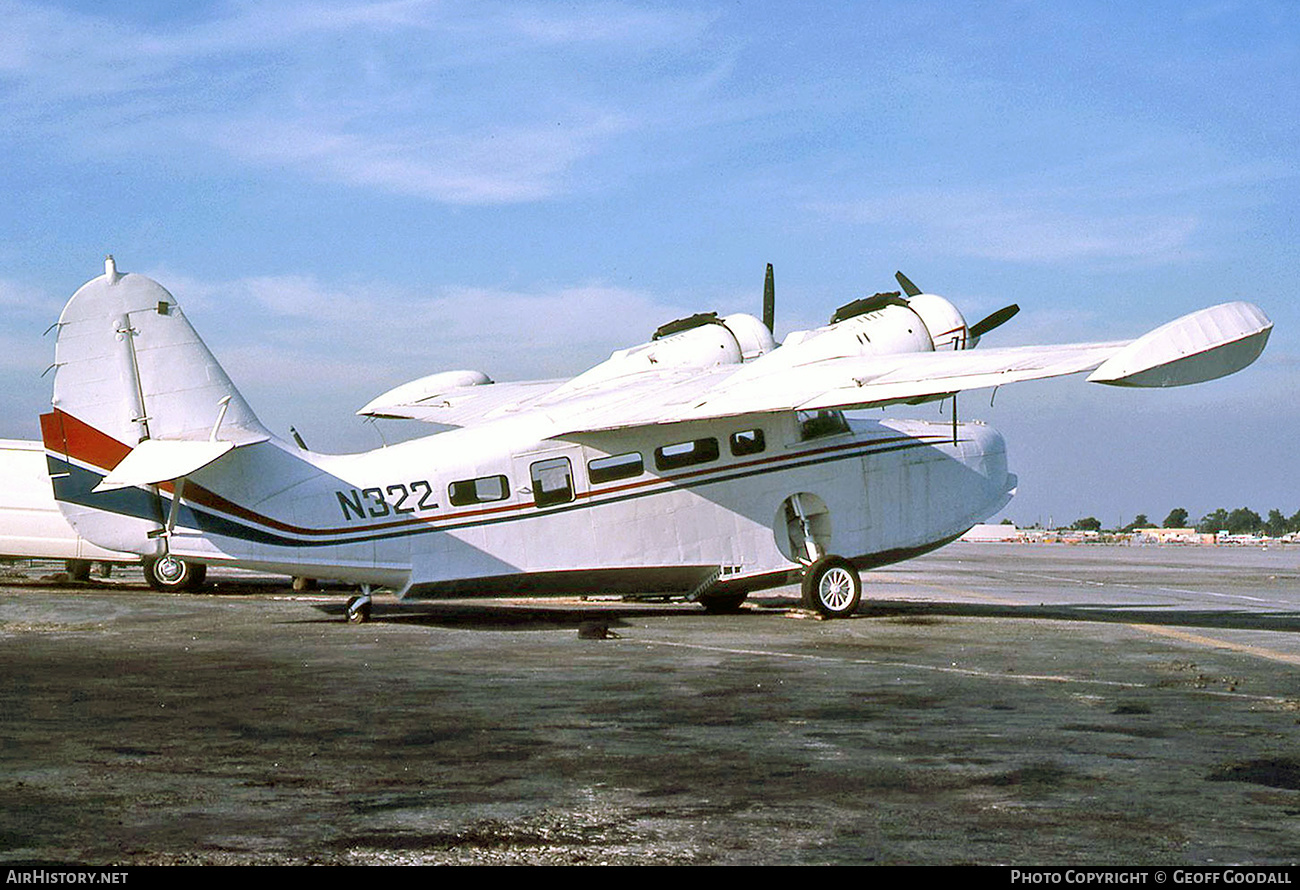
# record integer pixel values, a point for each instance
(1177, 518)
(1139, 521)
(1242, 521)
(1275, 525)
(1007, 522)
(1293, 523)
(1213, 522)
(1087, 524)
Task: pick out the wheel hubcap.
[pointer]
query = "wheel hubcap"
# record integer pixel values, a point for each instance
(836, 589)
(169, 569)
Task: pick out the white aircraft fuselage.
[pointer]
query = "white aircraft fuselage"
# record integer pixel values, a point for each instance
(493, 508)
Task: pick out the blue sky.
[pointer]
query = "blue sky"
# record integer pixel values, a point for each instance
(348, 195)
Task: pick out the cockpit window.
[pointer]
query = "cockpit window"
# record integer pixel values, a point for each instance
(816, 424)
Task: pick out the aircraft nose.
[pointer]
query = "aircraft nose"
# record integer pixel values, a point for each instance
(984, 450)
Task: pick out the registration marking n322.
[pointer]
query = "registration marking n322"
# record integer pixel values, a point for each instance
(371, 503)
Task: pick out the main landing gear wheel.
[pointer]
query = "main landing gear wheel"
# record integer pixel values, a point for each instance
(171, 575)
(832, 586)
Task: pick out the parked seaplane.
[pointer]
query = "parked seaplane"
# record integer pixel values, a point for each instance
(706, 462)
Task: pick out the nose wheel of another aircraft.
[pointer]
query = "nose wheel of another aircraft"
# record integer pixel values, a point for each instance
(832, 586)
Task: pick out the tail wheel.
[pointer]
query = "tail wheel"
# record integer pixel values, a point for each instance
(832, 586)
(171, 575)
(359, 609)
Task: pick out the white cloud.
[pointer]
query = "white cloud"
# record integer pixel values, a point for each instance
(1019, 226)
(456, 103)
(490, 165)
(371, 334)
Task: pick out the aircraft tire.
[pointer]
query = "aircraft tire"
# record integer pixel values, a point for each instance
(833, 587)
(358, 609)
(79, 569)
(723, 603)
(168, 574)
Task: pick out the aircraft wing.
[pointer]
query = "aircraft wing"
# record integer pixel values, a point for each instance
(1201, 346)
(459, 405)
(888, 380)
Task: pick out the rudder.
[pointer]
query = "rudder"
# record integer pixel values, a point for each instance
(129, 364)
(130, 369)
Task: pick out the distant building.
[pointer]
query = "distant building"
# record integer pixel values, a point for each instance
(989, 533)
(1171, 536)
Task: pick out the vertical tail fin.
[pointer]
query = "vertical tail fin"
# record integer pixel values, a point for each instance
(129, 365)
(139, 401)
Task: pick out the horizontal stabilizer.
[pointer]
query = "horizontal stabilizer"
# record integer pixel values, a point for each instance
(1202, 346)
(162, 460)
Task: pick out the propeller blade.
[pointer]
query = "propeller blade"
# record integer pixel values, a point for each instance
(769, 301)
(988, 323)
(908, 287)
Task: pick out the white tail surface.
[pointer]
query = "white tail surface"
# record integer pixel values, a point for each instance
(129, 364)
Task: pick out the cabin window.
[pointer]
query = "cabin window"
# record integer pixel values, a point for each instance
(478, 491)
(614, 467)
(552, 481)
(686, 454)
(747, 442)
(827, 422)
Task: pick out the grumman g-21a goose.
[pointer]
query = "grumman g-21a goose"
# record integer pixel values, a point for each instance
(707, 462)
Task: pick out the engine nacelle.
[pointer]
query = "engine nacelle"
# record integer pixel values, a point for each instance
(888, 330)
(944, 321)
(752, 335)
(702, 341)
